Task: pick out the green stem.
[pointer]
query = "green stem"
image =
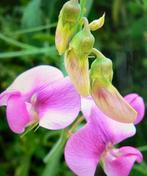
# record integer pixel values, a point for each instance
(36, 29)
(30, 128)
(97, 53)
(143, 148)
(46, 50)
(23, 169)
(59, 145)
(53, 157)
(83, 6)
(51, 134)
(15, 42)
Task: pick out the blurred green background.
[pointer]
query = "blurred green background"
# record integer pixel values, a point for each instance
(27, 29)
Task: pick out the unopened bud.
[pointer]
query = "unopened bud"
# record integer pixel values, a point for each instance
(102, 67)
(105, 95)
(96, 24)
(76, 60)
(83, 41)
(66, 27)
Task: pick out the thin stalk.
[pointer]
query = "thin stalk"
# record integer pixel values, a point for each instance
(15, 42)
(59, 145)
(83, 7)
(143, 148)
(97, 53)
(23, 168)
(46, 50)
(36, 29)
(74, 126)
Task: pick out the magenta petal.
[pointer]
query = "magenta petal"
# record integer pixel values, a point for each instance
(83, 151)
(138, 104)
(119, 162)
(58, 105)
(4, 96)
(108, 127)
(35, 78)
(17, 115)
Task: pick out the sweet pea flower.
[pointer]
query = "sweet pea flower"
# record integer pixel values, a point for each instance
(95, 143)
(105, 94)
(40, 95)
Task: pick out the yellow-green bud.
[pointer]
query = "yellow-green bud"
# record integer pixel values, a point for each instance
(82, 43)
(102, 68)
(105, 95)
(71, 11)
(96, 24)
(67, 22)
(76, 60)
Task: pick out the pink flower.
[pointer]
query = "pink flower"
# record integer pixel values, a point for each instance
(96, 141)
(41, 95)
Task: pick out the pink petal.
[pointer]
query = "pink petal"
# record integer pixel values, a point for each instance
(86, 106)
(108, 127)
(83, 151)
(35, 78)
(119, 162)
(58, 105)
(17, 115)
(138, 104)
(5, 95)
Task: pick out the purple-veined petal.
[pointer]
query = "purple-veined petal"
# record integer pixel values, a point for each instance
(35, 78)
(108, 127)
(83, 150)
(58, 105)
(138, 104)
(119, 162)
(17, 115)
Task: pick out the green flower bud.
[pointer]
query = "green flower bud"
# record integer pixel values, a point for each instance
(96, 24)
(66, 27)
(76, 60)
(105, 95)
(102, 67)
(83, 41)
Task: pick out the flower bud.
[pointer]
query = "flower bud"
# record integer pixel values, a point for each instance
(76, 60)
(105, 95)
(96, 24)
(66, 27)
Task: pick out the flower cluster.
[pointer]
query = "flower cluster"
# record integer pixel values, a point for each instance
(95, 142)
(74, 38)
(43, 96)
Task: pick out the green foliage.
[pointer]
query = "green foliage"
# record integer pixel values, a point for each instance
(32, 15)
(27, 32)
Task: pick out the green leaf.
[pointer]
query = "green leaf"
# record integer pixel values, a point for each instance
(32, 16)
(53, 158)
(140, 168)
(48, 8)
